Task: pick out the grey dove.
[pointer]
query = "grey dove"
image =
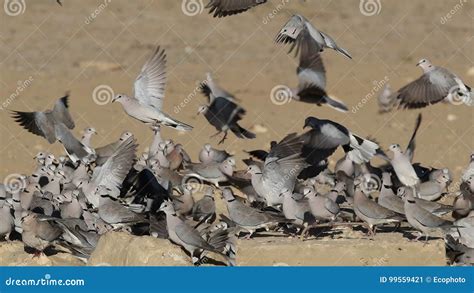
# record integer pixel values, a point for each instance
(370, 212)
(297, 25)
(146, 102)
(435, 85)
(247, 218)
(189, 238)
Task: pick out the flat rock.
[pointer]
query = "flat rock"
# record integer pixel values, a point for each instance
(123, 249)
(354, 249)
(13, 254)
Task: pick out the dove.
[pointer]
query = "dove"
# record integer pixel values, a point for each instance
(370, 212)
(403, 168)
(247, 218)
(77, 236)
(469, 172)
(156, 140)
(224, 114)
(280, 170)
(208, 154)
(464, 203)
(55, 125)
(37, 234)
(422, 220)
(205, 208)
(321, 207)
(104, 152)
(387, 198)
(295, 207)
(149, 90)
(386, 100)
(435, 189)
(297, 25)
(44, 123)
(325, 136)
(435, 85)
(7, 221)
(86, 137)
(112, 173)
(113, 212)
(189, 238)
(435, 208)
(223, 8)
(214, 173)
(312, 75)
(183, 204)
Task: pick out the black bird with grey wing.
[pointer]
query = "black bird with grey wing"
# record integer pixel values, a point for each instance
(312, 75)
(224, 115)
(325, 136)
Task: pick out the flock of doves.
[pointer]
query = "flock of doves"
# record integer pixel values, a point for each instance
(70, 201)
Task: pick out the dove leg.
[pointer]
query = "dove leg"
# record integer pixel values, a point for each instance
(223, 138)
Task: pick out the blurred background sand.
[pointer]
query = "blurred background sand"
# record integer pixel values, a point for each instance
(74, 48)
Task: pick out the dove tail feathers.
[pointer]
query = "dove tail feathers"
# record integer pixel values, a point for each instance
(338, 105)
(362, 150)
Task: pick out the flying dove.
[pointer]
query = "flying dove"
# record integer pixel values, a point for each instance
(146, 102)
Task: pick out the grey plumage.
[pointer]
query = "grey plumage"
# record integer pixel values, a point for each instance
(422, 220)
(248, 218)
(280, 170)
(146, 103)
(370, 212)
(222, 8)
(435, 85)
(297, 25)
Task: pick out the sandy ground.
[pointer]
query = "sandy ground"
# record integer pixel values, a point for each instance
(48, 50)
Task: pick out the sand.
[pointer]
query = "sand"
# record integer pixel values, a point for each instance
(48, 50)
